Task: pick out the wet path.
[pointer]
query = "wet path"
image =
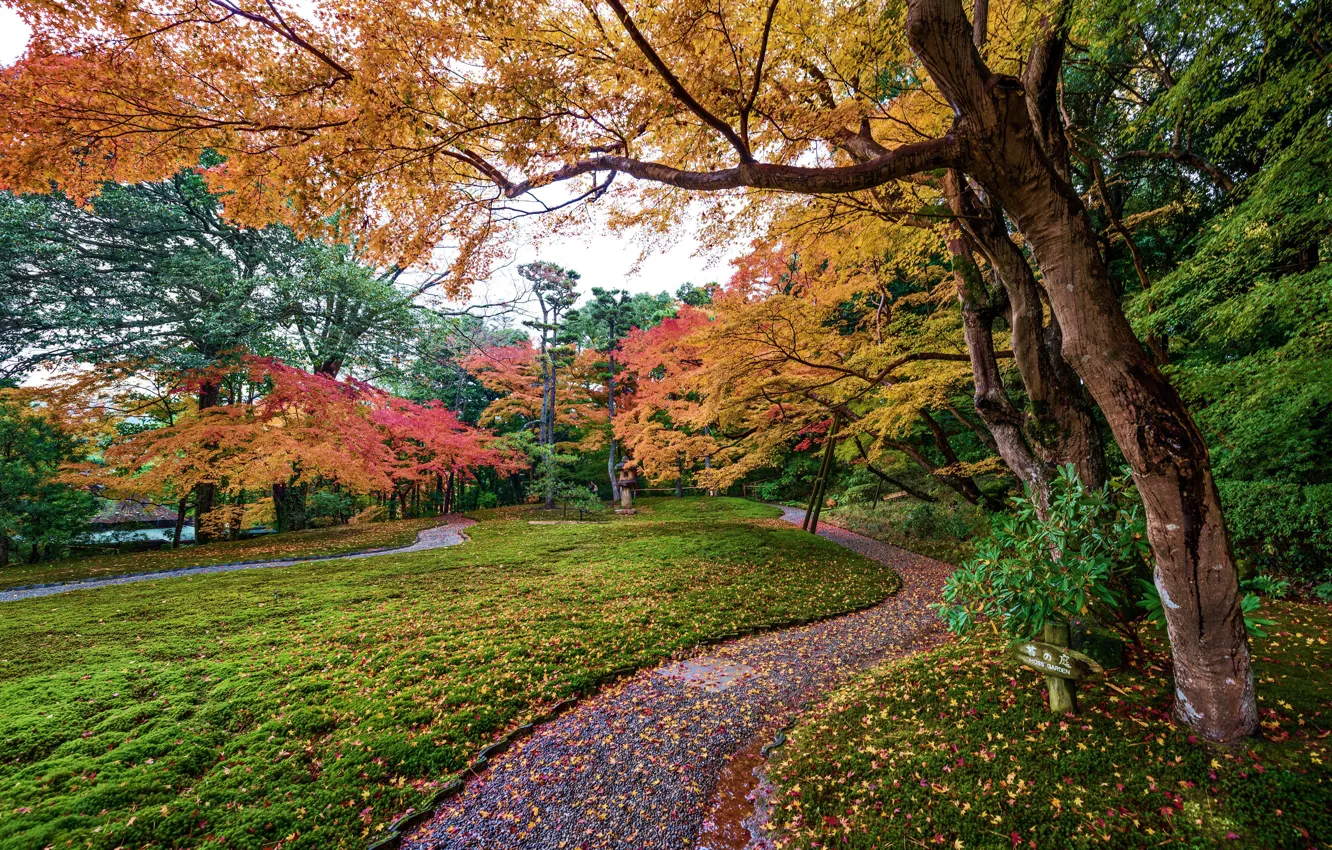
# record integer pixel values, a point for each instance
(637, 766)
(448, 534)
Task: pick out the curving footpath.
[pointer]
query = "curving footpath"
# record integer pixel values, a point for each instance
(448, 534)
(640, 764)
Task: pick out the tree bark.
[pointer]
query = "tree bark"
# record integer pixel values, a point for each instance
(289, 506)
(205, 493)
(1058, 427)
(180, 524)
(1195, 569)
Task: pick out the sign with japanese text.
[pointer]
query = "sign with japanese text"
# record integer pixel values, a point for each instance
(1057, 661)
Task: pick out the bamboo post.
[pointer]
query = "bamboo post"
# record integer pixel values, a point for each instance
(821, 486)
(814, 493)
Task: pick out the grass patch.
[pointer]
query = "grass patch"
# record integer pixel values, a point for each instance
(945, 531)
(308, 706)
(955, 748)
(315, 542)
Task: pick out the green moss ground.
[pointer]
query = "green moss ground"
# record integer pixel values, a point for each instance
(308, 706)
(316, 542)
(955, 748)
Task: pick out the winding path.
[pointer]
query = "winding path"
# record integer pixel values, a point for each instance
(640, 764)
(447, 534)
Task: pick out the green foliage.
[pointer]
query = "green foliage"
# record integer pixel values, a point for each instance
(1267, 585)
(794, 478)
(694, 295)
(321, 701)
(331, 505)
(886, 521)
(1323, 592)
(343, 314)
(608, 316)
(1080, 560)
(571, 496)
(933, 520)
(150, 272)
(955, 748)
(1284, 528)
(36, 509)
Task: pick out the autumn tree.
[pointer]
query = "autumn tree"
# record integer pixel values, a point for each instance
(799, 340)
(664, 425)
(301, 429)
(682, 98)
(600, 325)
(517, 376)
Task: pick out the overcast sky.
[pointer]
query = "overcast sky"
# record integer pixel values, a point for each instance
(603, 260)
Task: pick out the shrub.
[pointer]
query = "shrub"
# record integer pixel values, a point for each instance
(1280, 528)
(931, 521)
(1268, 585)
(576, 497)
(329, 507)
(1080, 560)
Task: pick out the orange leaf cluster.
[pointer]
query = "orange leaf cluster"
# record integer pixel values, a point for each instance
(305, 427)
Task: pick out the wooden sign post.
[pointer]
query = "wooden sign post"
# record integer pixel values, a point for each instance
(1062, 666)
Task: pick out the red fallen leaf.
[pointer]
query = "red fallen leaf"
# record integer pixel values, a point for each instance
(1230, 836)
(830, 820)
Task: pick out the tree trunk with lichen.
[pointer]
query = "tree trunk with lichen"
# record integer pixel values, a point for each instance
(1005, 147)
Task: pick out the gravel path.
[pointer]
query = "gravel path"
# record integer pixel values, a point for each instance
(448, 534)
(637, 765)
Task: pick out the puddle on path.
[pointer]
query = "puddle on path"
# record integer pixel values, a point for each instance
(738, 811)
(710, 674)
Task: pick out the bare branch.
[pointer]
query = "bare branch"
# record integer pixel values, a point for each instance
(895, 164)
(1188, 158)
(677, 88)
(758, 75)
(281, 27)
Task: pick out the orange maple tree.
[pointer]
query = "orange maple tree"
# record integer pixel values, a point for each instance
(302, 428)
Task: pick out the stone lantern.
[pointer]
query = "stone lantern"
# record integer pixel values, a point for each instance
(626, 477)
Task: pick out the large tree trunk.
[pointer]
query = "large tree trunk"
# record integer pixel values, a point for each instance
(289, 509)
(1058, 427)
(979, 309)
(4, 551)
(1195, 568)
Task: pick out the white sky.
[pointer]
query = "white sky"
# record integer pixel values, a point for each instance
(604, 260)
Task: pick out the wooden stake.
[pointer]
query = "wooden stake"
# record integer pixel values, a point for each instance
(1063, 692)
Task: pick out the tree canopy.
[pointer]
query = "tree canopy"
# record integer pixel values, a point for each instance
(1054, 169)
